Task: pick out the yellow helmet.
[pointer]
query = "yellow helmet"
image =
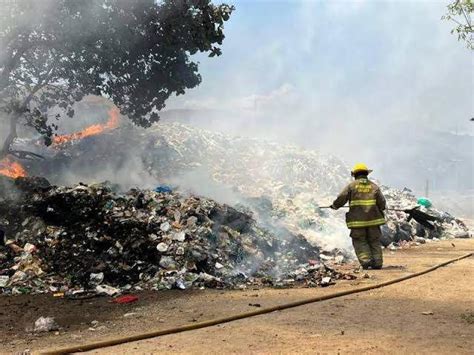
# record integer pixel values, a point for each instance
(359, 167)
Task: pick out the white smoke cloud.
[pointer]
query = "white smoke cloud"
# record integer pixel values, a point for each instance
(374, 81)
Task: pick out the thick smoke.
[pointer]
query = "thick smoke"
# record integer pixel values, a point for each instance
(381, 82)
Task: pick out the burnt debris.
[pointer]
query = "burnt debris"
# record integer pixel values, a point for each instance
(88, 237)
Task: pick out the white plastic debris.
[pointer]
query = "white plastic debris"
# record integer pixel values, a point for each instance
(180, 285)
(180, 236)
(131, 314)
(392, 247)
(107, 290)
(168, 263)
(4, 280)
(162, 247)
(29, 248)
(325, 281)
(97, 278)
(165, 227)
(45, 324)
(18, 277)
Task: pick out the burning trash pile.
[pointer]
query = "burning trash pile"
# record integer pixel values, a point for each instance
(89, 237)
(284, 184)
(11, 168)
(281, 185)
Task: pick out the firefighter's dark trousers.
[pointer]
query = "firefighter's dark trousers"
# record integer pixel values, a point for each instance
(367, 246)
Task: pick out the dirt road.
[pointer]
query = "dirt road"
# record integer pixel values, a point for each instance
(387, 320)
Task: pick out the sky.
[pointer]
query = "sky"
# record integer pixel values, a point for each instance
(374, 60)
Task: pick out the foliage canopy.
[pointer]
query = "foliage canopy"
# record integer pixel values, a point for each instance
(460, 12)
(134, 52)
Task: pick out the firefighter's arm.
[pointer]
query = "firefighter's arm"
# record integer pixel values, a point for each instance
(342, 198)
(380, 199)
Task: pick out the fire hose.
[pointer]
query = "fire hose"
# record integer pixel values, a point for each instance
(213, 322)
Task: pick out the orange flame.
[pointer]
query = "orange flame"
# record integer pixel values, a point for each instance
(94, 130)
(11, 168)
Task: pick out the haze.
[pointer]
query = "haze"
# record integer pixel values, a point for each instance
(383, 82)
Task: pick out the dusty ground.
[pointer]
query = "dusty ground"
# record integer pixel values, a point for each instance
(388, 320)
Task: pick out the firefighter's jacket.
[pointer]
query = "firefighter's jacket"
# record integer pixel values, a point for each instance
(366, 204)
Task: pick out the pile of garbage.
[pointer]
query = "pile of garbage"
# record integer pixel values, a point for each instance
(90, 237)
(399, 230)
(281, 185)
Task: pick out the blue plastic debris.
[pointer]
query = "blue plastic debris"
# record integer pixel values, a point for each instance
(164, 189)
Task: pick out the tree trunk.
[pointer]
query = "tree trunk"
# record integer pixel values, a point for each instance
(14, 118)
(11, 136)
(8, 66)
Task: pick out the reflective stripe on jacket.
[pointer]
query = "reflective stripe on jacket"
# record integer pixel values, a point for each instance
(366, 204)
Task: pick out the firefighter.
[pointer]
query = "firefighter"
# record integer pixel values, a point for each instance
(365, 216)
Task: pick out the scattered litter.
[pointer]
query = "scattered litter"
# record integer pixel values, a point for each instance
(4, 280)
(326, 281)
(162, 247)
(45, 324)
(97, 278)
(131, 314)
(423, 201)
(427, 313)
(462, 234)
(107, 290)
(255, 305)
(163, 189)
(392, 247)
(29, 248)
(125, 299)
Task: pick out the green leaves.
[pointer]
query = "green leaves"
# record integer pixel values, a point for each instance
(136, 52)
(460, 12)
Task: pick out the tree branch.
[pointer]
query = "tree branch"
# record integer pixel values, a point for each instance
(467, 19)
(23, 154)
(9, 66)
(11, 136)
(15, 116)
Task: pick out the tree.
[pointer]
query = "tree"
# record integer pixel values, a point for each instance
(460, 12)
(134, 52)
